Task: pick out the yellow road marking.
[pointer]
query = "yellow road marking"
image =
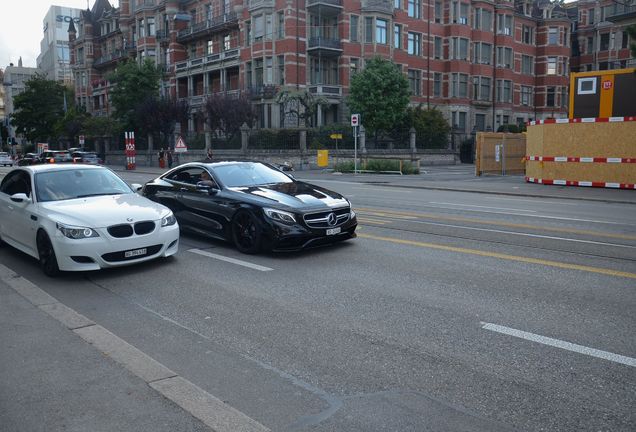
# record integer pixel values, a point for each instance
(390, 213)
(503, 256)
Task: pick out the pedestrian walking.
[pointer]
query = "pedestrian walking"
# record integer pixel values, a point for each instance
(162, 162)
(208, 157)
(169, 158)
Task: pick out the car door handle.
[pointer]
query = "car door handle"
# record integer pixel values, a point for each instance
(34, 217)
(183, 190)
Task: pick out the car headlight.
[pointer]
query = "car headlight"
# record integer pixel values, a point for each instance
(279, 215)
(76, 232)
(168, 220)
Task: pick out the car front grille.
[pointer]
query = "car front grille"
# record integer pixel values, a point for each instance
(321, 219)
(121, 255)
(127, 230)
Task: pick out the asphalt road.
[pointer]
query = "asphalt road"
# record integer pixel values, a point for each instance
(450, 311)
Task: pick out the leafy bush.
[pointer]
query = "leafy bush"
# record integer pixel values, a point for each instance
(379, 165)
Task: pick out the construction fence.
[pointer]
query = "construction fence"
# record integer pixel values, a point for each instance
(500, 153)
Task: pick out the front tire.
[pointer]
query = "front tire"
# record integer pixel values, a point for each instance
(246, 233)
(48, 260)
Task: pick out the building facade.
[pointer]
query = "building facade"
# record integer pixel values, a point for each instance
(483, 63)
(14, 81)
(599, 38)
(54, 58)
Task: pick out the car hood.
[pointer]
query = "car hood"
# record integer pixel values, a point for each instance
(103, 211)
(298, 196)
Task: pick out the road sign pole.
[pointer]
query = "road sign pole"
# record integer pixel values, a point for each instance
(355, 150)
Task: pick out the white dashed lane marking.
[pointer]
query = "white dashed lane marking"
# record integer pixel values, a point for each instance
(231, 260)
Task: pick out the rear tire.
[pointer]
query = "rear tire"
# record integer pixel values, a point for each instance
(48, 260)
(246, 233)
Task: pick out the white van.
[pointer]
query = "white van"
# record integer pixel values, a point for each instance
(5, 159)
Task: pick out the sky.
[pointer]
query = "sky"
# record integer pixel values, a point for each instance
(21, 27)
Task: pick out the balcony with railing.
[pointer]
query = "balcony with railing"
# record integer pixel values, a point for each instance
(142, 5)
(264, 91)
(381, 6)
(224, 58)
(327, 90)
(110, 58)
(215, 24)
(621, 12)
(256, 4)
(328, 47)
(163, 35)
(325, 7)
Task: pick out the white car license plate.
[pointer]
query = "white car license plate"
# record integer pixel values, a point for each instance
(136, 252)
(333, 231)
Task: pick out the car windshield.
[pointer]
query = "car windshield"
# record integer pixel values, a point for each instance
(78, 183)
(244, 174)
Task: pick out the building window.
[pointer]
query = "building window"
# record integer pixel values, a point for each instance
(459, 85)
(281, 69)
(504, 24)
(550, 97)
(625, 42)
(590, 45)
(564, 98)
(438, 11)
(526, 95)
(415, 82)
(483, 19)
(482, 53)
(354, 65)
(481, 88)
(605, 40)
(368, 29)
(281, 25)
(504, 57)
(269, 27)
(269, 71)
(259, 27)
(248, 33)
(258, 72)
(527, 63)
(226, 42)
(353, 28)
(397, 36)
(437, 84)
(459, 12)
(438, 48)
(414, 8)
(552, 65)
(414, 43)
(142, 28)
(590, 15)
(553, 36)
(459, 49)
(210, 47)
(397, 4)
(151, 26)
(504, 91)
(380, 31)
(458, 118)
(528, 35)
(248, 74)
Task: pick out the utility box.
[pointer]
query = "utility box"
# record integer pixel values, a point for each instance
(323, 158)
(602, 94)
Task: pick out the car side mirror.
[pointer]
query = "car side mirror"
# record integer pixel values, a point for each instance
(205, 186)
(20, 198)
(136, 187)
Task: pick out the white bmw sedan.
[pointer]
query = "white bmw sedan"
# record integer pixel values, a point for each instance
(82, 217)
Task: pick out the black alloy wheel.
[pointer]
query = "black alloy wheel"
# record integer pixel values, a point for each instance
(48, 260)
(246, 233)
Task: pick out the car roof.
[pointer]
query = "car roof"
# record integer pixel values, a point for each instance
(56, 167)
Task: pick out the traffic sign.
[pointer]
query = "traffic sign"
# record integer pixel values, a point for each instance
(81, 140)
(180, 146)
(335, 136)
(355, 120)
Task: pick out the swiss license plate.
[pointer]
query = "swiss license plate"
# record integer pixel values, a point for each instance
(333, 231)
(134, 253)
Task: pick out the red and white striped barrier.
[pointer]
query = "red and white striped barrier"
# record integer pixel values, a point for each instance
(583, 120)
(580, 159)
(581, 183)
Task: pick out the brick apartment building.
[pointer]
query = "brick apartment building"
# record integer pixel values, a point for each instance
(483, 63)
(600, 41)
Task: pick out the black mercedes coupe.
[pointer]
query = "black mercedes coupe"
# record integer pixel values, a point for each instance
(253, 205)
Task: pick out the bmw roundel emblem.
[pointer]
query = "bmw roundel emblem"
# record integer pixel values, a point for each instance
(331, 219)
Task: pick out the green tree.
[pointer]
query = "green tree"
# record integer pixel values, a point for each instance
(431, 127)
(381, 94)
(71, 124)
(301, 104)
(133, 84)
(226, 115)
(38, 109)
(161, 115)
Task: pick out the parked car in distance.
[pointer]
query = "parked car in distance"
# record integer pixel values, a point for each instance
(29, 159)
(80, 217)
(5, 159)
(55, 156)
(253, 205)
(90, 158)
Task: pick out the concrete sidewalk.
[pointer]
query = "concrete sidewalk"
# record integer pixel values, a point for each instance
(61, 371)
(456, 178)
